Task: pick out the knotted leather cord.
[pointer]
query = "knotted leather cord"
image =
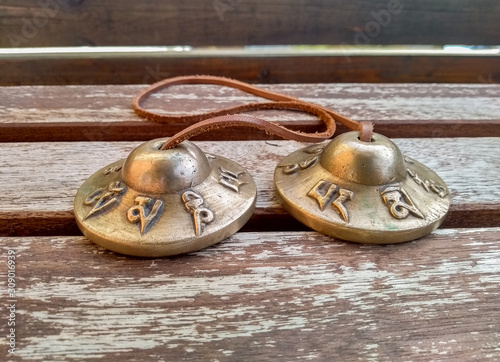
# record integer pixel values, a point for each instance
(230, 117)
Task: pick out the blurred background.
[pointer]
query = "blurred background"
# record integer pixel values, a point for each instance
(273, 41)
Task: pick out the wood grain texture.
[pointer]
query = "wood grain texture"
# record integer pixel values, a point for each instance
(39, 180)
(261, 296)
(85, 22)
(286, 68)
(103, 113)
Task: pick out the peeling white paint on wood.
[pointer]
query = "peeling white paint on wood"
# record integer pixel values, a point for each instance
(359, 101)
(413, 301)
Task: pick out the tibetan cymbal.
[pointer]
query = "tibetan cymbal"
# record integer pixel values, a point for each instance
(365, 192)
(165, 202)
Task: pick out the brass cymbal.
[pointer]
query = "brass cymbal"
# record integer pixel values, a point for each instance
(165, 202)
(365, 192)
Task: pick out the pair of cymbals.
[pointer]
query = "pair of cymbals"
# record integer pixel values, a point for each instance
(166, 202)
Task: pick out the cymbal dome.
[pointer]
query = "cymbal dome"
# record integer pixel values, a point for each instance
(153, 171)
(373, 163)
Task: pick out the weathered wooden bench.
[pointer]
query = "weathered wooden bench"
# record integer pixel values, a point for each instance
(275, 290)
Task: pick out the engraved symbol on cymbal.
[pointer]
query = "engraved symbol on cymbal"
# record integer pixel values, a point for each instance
(428, 185)
(230, 179)
(399, 203)
(305, 164)
(111, 170)
(324, 192)
(314, 150)
(146, 211)
(408, 160)
(105, 198)
(193, 203)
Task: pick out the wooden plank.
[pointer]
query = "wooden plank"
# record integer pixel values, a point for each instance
(26, 23)
(39, 180)
(103, 113)
(293, 296)
(268, 68)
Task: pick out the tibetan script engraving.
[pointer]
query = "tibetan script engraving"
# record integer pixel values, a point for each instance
(303, 165)
(193, 203)
(324, 193)
(428, 185)
(344, 196)
(111, 170)
(399, 203)
(146, 211)
(408, 160)
(230, 179)
(315, 150)
(105, 198)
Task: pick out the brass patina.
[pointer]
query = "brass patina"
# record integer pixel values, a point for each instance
(365, 192)
(165, 202)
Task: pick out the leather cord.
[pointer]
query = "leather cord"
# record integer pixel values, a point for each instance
(231, 117)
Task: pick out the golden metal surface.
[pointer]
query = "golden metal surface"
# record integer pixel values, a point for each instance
(365, 192)
(158, 203)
